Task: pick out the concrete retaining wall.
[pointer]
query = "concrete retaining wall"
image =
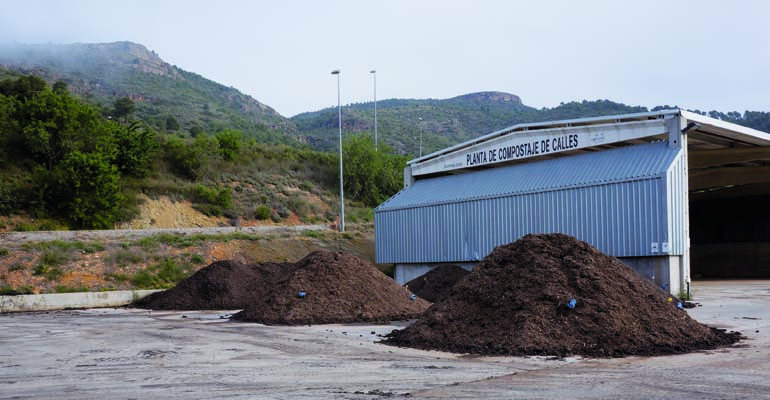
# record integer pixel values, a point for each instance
(60, 301)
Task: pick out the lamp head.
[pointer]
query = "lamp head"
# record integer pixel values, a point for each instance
(336, 72)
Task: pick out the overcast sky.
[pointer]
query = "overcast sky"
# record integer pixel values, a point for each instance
(695, 54)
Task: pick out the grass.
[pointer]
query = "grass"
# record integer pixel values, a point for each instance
(51, 273)
(5, 252)
(8, 290)
(682, 295)
(69, 289)
(49, 265)
(124, 257)
(313, 234)
(85, 247)
(53, 258)
(183, 241)
(162, 276)
(24, 227)
(17, 267)
(117, 277)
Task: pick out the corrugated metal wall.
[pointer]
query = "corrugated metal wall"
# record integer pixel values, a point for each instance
(676, 190)
(621, 218)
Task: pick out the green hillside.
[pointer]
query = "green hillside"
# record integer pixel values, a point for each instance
(163, 93)
(447, 122)
(442, 122)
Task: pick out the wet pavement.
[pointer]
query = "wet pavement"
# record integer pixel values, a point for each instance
(136, 354)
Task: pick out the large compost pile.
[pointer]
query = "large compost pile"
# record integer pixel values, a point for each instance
(437, 282)
(517, 302)
(333, 287)
(223, 285)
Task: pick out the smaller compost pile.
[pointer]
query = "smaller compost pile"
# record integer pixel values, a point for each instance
(519, 301)
(333, 287)
(438, 282)
(223, 285)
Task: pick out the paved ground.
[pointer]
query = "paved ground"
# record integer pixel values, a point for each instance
(132, 354)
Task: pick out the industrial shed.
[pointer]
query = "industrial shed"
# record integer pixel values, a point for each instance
(671, 193)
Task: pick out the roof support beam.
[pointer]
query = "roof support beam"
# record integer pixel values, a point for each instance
(710, 158)
(734, 191)
(721, 177)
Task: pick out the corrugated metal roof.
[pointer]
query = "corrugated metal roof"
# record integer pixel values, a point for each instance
(602, 167)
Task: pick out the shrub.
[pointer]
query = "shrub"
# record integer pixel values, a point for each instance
(8, 290)
(17, 267)
(117, 277)
(126, 257)
(53, 258)
(89, 248)
(283, 212)
(262, 212)
(299, 206)
(51, 273)
(4, 252)
(306, 186)
(24, 227)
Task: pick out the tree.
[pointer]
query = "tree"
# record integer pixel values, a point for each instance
(7, 122)
(172, 124)
(370, 176)
(135, 148)
(92, 185)
(195, 131)
(52, 125)
(188, 158)
(60, 87)
(124, 107)
(229, 144)
(23, 88)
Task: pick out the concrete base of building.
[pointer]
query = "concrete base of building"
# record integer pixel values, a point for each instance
(406, 272)
(663, 271)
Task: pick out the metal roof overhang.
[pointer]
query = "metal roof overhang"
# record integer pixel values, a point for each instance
(722, 157)
(725, 159)
(526, 142)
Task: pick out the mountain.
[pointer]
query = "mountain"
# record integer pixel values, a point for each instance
(163, 93)
(166, 95)
(442, 123)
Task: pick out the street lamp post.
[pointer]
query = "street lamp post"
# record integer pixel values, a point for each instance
(374, 72)
(419, 124)
(339, 119)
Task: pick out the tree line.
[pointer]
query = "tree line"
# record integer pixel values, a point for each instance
(64, 159)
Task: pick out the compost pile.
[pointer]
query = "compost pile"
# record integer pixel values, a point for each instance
(516, 302)
(333, 287)
(223, 285)
(437, 283)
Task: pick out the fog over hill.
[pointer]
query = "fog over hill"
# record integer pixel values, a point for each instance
(167, 96)
(103, 72)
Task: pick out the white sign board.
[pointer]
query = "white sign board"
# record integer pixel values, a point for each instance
(527, 144)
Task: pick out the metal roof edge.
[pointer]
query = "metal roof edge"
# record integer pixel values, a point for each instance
(708, 121)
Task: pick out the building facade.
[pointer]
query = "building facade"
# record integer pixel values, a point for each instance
(621, 183)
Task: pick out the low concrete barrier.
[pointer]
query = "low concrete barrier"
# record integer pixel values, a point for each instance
(60, 301)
